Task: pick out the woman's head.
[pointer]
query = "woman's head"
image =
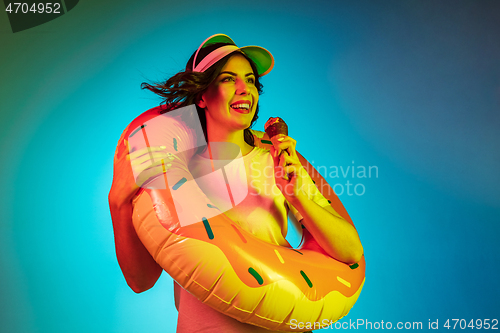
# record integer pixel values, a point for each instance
(231, 100)
(204, 67)
(208, 76)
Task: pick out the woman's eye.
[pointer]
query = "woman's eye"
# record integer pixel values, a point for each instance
(233, 79)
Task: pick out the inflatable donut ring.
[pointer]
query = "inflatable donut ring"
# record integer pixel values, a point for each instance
(226, 267)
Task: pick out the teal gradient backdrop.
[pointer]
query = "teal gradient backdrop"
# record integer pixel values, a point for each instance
(411, 88)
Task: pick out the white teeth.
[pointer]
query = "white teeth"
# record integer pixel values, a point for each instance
(241, 106)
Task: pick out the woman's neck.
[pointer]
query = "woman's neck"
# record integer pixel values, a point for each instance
(217, 134)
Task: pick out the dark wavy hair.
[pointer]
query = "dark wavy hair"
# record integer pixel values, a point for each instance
(187, 87)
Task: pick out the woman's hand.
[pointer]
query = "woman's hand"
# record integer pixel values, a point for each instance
(288, 171)
(132, 170)
(149, 162)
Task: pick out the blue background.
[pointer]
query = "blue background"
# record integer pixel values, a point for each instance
(411, 87)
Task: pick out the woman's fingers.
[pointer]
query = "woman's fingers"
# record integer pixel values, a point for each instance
(285, 144)
(287, 166)
(138, 168)
(154, 170)
(146, 165)
(158, 168)
(146, 151)
(291, 169)
(285, 155)
(149, 154)
(139, 158)
(152, 157)
(286, 159)
(149, 162)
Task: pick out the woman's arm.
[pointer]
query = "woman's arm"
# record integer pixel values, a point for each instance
(138, 267)
(332, 232)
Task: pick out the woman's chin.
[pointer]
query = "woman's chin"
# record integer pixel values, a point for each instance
(244, 121)
(244, 126)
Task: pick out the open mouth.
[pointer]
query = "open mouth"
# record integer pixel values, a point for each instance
(241, 107)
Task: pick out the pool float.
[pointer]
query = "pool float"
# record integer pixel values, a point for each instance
(214, 259)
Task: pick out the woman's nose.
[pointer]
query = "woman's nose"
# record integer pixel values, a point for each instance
(242, 87)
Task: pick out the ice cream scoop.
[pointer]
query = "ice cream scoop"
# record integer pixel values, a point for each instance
(275, 126)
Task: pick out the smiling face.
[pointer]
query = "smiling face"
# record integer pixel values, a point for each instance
(231, 100)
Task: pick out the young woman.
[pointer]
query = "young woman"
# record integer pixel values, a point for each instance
(222, 80)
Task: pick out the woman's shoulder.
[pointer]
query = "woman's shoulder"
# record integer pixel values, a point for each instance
(258, 154)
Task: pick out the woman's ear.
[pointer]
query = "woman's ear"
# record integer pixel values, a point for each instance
(201, 103)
